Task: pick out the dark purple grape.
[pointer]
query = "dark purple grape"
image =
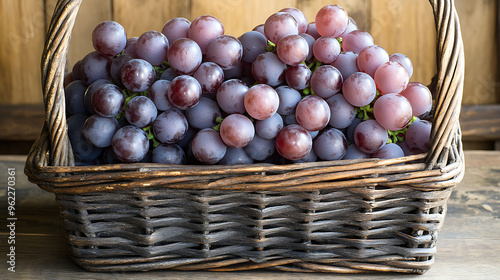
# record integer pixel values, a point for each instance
(210, 76)
(169, 154)
(82, 149)
(208, 147)
(389, 151)
(204, 114)
(152, 46)
(176, 28)
(342, 112)
(326, 81)
(269, 128)
(293, 142)
(235, 156)
(298, 76)
(184, 92)
(237, 131)
(170, 127)
(268, 69)
(94, 66)
(140, 111)
(288, 99)
(354, 153)
(137, 75)
(109, 38)
(100, 130)
(108, 100)
(116, 68)
(418, 136)
(130, 144)
(74, 97)
(260, 149)
(310, 42)
(87, 99)
(77, 70)
(184, 56)
(292, 49)
(346, 64)
(224, 50)
(231, 95)
(158, 94)
(330, 144)
(370, 136)
(131, 47)
(253, 43)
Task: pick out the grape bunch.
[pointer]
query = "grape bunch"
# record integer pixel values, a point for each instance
(287, 91)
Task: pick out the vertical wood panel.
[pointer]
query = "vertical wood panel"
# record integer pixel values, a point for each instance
(239, 16)
(359, 10)
(139, 16)
(22, 30)
(406, 27)
(478, 21)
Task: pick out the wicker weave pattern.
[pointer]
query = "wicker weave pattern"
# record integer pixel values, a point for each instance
(339, 216)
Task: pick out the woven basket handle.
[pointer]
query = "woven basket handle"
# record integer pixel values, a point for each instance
(448, 82)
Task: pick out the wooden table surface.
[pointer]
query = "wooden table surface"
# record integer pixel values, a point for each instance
(468, 245)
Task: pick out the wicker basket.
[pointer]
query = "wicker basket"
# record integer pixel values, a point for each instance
(339, 216)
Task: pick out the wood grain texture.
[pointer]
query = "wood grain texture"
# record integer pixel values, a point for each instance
(21, 122)
(481, 123)
(22, 29)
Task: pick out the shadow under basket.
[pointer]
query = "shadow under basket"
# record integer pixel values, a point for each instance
(346, 216)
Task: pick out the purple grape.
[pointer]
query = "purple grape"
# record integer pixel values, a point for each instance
(140, 111)
(94, 66)
(260, 149)
(370, 136)
(418, 136)
(356, 41)
(235, 156)
(176, 28)
(298, 16)
(169, 74)
(354, 153)
(109, 38)
(152, 46)
(74, 97)
(326, 81)
(403, 60)
(288, 100)
(87, 98)
(350, 129)
(346, 64)
(391, 77)
(77, 70)
(236, 131)
(310, 157)
(312, 113)
(158, 94)
(82, 149)
(279, 25)
(204, 29)
(269, 128)
(389, 151)
(253, 43)
(310, 42)
(261, 101)
(131, 47)
(330, 144)
(268, 69)
(99, 130)
(312, 30)
(359, 89)
(326, 49)
(115, 69)
(204, 114)
(169, 154)
(292, 49)
(108, 100)
(130, 144)
(350, 27)
(224, 50)
(184, 56)
(208, 147)
(342, 113)
(170, 127)
(231, 95)
(298, 76)
(420, 98)
(392, 111)
(293, 142)
(137, 75)
(331, 20)
(370, 58)
(210, 76)
(259, 28)
(184, 92)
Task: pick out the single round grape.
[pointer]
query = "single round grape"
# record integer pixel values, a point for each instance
(312, 113)
(74, 97)
(100, 130)
(293, 142)
(298, 76)
(292, 49)
(326, 81)
(354, 153)
(403, 60)
(342, 113)
(310, 42)
(184, 56)
(137, 75)
(288, 99)
(87, 98)
(94, 66)
(204, 114)
(331, 20)
(169, 154)
(253, 43)
(208, 147)
(260, 149)
(231, 95)
(108, 100)
(370, 136)
(350, 27)
(359, 89)
(210, 76)
(140, 111)
(184, 92)
(312, 30)
(259, 28)
(356, 41)
(392, 111)
(158, 94)
(224, 50)
(420, 98)
(326, 49)
(152, 46)
(330, 144)
(268, 69)
(269, 128)
(346, 64)
(115, 69)
(170, 127)
(204, 29)
(418, 136)
(299, 17)
(261, 101)
(279, 25)
(109, 38)
(235, 156)
(310, 157)
(391, 77)
(130, 144)
(82, 149)
(237, 131)
(389, 151)
(131, 47)
(370, 58)
(176, 28)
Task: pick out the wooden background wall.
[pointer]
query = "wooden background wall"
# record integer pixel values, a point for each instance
(404, 26)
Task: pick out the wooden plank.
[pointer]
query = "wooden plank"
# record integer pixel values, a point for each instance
(139, 16)
(21, 122)
(22, 32)
(478, 23)
(480, 123)
(406, 27)
(239, 16)
(359, 10)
